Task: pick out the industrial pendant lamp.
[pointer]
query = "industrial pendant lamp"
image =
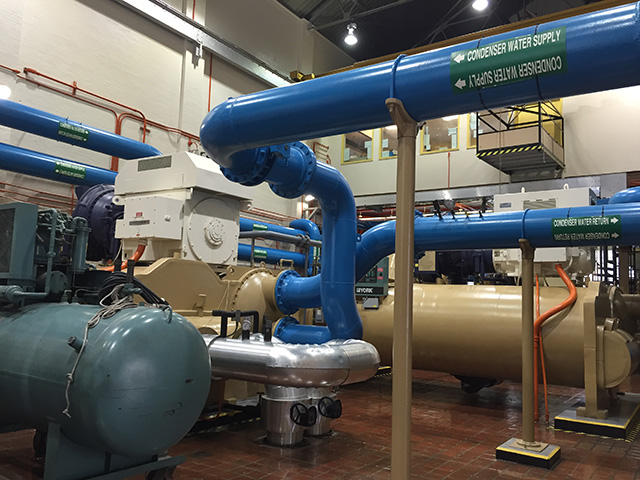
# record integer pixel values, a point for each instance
(480, 5)
(351, 39)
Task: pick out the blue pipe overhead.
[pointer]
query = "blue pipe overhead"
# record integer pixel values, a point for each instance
(38, 164)
(28, 119)
(582, 54)
(592, 52)
(269, 255)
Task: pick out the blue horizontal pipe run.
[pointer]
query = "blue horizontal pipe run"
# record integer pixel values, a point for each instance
(21, 160)
(248, 225)
(28, 119)
(269, 255)
(602, 53)
(503, 230)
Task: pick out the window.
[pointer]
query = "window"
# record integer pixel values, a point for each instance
(357, 147)
(440, 135)
(388, 142)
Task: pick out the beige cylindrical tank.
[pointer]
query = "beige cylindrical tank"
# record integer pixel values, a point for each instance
(475, 331)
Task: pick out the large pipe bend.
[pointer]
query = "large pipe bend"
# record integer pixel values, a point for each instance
(337, 362)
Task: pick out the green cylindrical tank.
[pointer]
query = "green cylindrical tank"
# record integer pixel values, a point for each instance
(140, 384)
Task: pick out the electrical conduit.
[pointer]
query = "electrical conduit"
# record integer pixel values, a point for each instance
(537, 338)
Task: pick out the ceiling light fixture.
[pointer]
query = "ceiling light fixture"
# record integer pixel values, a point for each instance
(351, 39)
(5, 92)
(480, 5)
(448, 118)
(309, 198)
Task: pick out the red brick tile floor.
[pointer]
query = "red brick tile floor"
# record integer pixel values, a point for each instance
(454, 436)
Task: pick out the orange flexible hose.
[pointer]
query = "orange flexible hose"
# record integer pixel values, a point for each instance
(135, 257)
(537, 328)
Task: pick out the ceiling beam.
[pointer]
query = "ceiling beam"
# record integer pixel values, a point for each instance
(353, 16)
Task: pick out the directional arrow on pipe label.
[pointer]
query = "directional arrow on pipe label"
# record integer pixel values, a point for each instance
(509, 61)
(586, 228)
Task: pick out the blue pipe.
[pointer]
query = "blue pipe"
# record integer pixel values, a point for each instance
(313, 232)
(28, 119)
(248, 225)
(503, 230)
(38, 164)
(630, 195)
(601, 51)
(269, 255)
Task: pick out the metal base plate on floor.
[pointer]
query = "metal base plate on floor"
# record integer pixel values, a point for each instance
(618, 424)
(512, 451)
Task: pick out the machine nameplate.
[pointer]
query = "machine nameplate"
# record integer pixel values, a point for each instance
(70, 169)
(587, 228)
(75, 132)
(509, 61)
(139, 222)
(154, 163)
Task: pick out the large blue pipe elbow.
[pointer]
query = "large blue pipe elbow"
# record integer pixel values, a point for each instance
(21, 160)
(630, 195)
(27, 119)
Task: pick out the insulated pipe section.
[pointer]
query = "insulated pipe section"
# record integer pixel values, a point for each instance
(338, 362)
(41, 165)
(31, 120)
(586, 53)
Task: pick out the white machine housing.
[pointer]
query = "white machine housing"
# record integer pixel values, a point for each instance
(180, 206)
(575, 260)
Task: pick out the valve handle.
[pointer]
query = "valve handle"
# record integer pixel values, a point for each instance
(303, 415)
(330, 408)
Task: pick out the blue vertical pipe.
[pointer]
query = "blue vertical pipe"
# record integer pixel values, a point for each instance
(28, 119)
(38, 164)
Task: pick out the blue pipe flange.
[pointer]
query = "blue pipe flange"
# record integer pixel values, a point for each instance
(281, 286)
(282, 324)
(306, 165)
(258, 172)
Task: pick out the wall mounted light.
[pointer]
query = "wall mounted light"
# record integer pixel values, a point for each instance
(351, 39)
(5, 92)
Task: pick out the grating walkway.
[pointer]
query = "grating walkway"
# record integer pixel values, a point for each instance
(454, 437)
